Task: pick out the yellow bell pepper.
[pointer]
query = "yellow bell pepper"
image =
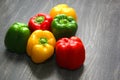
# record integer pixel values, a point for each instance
(63, 9)
(40, 45)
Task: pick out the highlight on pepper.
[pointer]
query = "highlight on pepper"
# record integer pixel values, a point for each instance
(63, 9)
(40, 46)
(63, 26)
(16, 37)
(70, 53)
(40, 21)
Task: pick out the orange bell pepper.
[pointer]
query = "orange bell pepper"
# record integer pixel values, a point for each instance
(41, 45)
(63, 9)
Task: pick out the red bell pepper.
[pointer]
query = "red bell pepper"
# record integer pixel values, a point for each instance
(40, 21)
(70, 53)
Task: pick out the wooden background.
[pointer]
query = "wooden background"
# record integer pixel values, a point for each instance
(99, 29)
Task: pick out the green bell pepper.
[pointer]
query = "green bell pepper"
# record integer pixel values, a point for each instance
(16, 37)
(63, 26)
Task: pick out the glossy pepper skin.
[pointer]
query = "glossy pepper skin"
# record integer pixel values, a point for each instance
(63, 26)
(40, 21)
(63, 9)
(70, 53)
(41, 45)
(16, 37)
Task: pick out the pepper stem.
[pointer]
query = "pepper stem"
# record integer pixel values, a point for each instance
(64, 21)
(39, 19)
(43, 40)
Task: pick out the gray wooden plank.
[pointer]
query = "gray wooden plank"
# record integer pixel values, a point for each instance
(99, 29)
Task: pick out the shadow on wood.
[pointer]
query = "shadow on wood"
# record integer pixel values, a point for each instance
(65, 74)
(43, 70)
(11, 56)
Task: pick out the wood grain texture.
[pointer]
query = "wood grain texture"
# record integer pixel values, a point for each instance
(99, 29)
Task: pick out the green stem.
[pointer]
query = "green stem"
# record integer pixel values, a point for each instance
(43, 40)
(64, 21)
(39, 19)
